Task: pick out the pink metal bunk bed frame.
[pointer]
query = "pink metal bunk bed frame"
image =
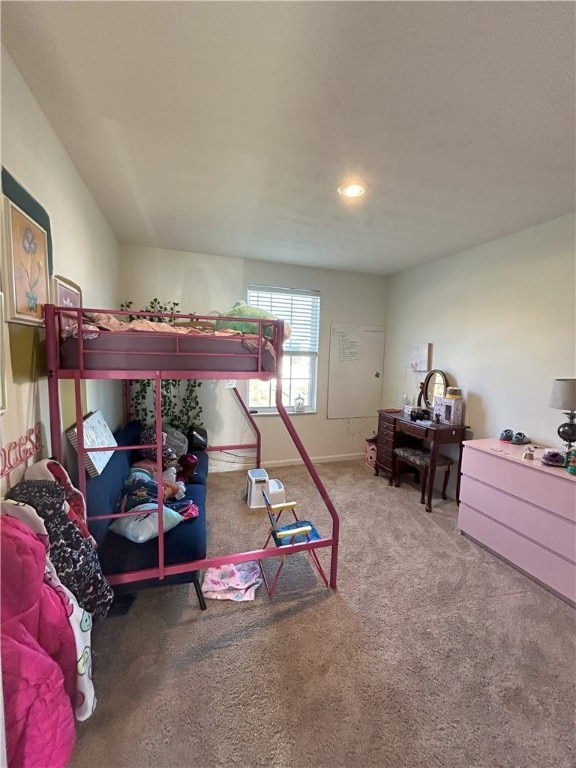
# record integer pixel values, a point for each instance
(55, 317)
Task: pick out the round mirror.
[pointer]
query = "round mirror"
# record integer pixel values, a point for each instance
(434, 385)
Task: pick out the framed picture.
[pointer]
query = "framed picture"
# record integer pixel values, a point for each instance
(25, 266)
(420, 360)
(2, 358)
(65, 293)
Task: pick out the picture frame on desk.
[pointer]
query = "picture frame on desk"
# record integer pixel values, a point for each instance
(449, 410)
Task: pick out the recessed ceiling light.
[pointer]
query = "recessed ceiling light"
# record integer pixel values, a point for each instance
(352, 188)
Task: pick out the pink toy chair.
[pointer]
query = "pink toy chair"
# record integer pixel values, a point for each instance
(297, 532)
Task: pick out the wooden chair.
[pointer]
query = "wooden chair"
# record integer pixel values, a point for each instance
(420, 459)
(297, 532)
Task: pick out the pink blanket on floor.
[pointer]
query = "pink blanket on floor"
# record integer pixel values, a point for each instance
(232, 582)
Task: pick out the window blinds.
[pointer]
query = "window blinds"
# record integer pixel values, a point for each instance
(298, 307)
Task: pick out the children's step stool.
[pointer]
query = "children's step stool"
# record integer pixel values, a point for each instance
(257, 481)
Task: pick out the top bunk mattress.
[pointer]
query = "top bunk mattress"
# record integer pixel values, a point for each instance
(133, 351)
(82, 340)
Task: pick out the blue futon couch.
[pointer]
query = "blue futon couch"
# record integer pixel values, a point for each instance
(185, 542)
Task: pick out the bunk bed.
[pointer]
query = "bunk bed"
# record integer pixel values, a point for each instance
(95, 344)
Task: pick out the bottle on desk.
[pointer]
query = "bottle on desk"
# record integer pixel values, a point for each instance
(406, 406)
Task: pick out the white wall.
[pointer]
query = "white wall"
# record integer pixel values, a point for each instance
(84, 247)
(205, 284)
(501, 319)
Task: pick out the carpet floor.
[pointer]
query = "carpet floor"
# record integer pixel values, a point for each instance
(431, 651)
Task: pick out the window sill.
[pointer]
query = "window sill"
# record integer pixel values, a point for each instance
(289, 411)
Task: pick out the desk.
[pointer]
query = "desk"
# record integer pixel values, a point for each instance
(394, 431)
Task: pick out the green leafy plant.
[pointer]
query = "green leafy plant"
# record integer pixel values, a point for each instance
(178, 397)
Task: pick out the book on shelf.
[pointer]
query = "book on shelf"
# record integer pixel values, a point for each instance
(97, 434)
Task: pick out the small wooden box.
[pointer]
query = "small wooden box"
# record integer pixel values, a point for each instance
(449, 409)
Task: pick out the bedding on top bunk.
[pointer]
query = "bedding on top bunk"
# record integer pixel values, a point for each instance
(112, 344)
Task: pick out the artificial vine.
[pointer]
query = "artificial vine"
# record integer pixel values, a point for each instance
(178, 397)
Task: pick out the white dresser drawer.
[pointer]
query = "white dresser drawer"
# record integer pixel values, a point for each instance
(545, 528)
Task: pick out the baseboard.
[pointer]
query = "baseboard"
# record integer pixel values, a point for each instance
(246, 465)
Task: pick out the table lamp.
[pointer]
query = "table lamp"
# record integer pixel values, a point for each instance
(563, 397)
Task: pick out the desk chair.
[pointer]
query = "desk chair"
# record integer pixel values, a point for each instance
(420, 459)
(297, 532)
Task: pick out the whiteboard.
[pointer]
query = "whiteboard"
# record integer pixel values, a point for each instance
(356, 370)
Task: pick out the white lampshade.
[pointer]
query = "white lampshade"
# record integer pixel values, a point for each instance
(563, 395)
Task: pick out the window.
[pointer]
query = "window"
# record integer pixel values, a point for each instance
(302, 310)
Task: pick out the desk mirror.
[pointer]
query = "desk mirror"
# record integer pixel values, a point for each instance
(434, 385)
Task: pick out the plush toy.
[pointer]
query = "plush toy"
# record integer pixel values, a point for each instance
(228, 320)
(173, 487)
(169, 462)
(186, 468)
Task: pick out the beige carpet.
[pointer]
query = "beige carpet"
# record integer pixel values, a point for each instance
(431, 652)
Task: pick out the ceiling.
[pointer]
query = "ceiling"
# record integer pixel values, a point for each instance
(226, 127)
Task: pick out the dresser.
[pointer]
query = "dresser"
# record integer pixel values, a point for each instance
(522, 511)
(395, 431)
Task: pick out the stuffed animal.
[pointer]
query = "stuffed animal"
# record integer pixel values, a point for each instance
(186, 468)
(229, 320)
(173, 487)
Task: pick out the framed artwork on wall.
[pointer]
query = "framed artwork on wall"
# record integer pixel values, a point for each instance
(65, 293)
(2, 358)
(420, 359)
(25, 266)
